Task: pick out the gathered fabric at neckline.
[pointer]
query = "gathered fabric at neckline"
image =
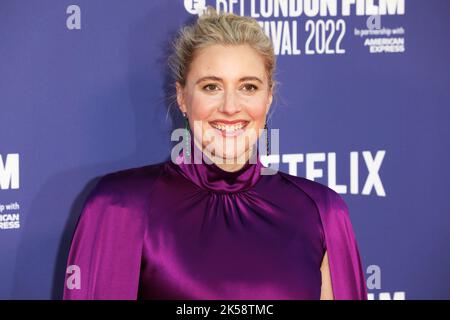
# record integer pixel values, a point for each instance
(211, 177)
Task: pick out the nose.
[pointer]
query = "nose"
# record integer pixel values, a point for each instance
(230, 104)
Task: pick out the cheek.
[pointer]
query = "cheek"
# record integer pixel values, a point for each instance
(256, 109)
(201, 106)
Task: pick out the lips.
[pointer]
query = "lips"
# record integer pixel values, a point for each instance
(229, 128)
(229, 125)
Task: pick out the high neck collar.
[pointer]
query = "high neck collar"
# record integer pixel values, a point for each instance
(213, 178)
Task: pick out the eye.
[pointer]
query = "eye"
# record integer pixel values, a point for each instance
(211, 87)
(249, 87)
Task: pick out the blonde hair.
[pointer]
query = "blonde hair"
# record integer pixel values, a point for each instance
(219, 28)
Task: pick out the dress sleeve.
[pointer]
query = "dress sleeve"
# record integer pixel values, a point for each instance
(105, 253)
(347, 276)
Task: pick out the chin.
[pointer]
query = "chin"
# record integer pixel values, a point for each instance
(232, 156)
(227, 148)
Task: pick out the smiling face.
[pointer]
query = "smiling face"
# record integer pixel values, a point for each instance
(226, 97)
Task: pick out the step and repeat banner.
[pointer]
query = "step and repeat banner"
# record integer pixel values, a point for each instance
(362, 106)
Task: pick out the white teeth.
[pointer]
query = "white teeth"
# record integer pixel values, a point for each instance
(233, 127)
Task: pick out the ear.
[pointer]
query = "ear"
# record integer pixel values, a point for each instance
(180, 97)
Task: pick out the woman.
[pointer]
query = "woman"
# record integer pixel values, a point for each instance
(217, 229)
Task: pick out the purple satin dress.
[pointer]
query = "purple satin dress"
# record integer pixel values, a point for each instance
(194, 231)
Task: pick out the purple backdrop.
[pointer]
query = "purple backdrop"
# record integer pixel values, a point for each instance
(84, 88)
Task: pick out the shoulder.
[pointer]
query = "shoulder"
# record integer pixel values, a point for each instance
(323, 196)
(332, 209)
(128, 187)
(339, 240)
(132, 178)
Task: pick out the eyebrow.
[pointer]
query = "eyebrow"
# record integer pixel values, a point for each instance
(214, 78)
